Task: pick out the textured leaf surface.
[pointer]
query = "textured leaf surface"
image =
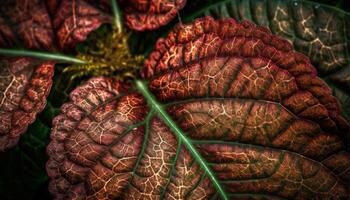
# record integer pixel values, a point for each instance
(150, 14)
(75, 19)
(49, 25)
(262, 120)
(320, 32)
(25, 23)
(23, 174)
(24, 87)
(41, 25)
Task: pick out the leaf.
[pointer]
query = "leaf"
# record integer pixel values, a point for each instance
(318, 31)
(231, 111)
(25, 23)
(23, 175)
(143, 15)
(24, 86)
(49, 25)
(75, 19)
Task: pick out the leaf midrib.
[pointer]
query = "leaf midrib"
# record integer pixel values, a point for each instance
(154, 104)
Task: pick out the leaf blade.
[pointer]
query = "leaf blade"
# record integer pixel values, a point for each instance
(301, 23)
(204, 97)
(168, 120)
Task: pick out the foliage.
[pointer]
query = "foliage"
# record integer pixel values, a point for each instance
(22, 173)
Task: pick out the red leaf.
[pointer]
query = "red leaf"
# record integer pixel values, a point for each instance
(74, 20)
(150, 14)
(304, 94)
(255, 110)
(27, 20)
(24, 87)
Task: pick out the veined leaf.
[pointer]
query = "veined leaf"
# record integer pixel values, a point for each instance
(24, 87)
(143, 15)
(49, 25)
(229, 111)
(26, 24)
(75, 19)
(23, 175)
(25, 83)
(321, 32)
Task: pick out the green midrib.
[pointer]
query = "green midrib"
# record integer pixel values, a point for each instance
(141, 86)
(41, 55)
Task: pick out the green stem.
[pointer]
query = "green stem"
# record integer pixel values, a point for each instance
(41, 55)
(182, 137)
(117, 16)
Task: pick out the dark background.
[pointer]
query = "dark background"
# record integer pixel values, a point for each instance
(22, 169)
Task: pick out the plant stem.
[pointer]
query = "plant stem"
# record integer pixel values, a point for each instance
(41, 55)
(117, 16)
(181, 136)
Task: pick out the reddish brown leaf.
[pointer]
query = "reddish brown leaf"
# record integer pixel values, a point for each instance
(74, 20)
(150, 14)
(6, 36)
(187, 45)
(29, 23)
(24, 83)
(24, 87)
(262, 120)
(25, 22)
